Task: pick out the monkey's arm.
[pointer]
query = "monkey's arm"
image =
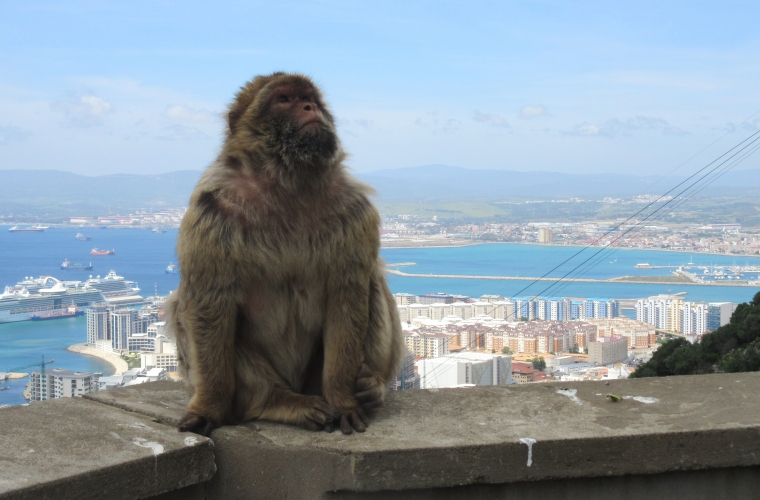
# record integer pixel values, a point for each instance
(346, 320)
(208, 314)
(210, 327)
(384, 346)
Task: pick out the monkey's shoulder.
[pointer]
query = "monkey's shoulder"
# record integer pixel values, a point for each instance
(348, 194)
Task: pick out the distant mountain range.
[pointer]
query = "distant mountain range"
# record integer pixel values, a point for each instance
(446, 182)
(51, 192)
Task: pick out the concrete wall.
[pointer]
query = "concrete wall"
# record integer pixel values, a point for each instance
(691, 437)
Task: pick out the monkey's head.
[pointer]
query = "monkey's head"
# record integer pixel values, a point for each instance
(284, 118)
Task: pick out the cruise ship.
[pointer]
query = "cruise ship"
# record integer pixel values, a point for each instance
(33, 296)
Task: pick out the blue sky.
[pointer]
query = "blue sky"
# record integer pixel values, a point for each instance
(99, 87)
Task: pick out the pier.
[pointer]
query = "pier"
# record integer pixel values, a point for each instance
(687, 279)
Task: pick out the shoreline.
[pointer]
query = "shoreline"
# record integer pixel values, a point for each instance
(619, 280)
(119, 365)
(466, 243)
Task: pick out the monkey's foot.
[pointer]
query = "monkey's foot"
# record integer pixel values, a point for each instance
(197, 424)
(356, 420)
(369, 390)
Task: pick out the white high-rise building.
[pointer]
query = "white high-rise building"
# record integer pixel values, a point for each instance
(465, 368)
(61, 383)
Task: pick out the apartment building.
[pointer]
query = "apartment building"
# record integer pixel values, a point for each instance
(671, 313)
(607, 350)
(61, 383)
(427, 345)
(640, 335)
(164, 356)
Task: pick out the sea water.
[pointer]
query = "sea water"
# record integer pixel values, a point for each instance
(142, 256)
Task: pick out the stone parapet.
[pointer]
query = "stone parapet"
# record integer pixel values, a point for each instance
(696, 435)
(80, 449)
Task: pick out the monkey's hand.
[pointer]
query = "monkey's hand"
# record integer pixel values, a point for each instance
(369, 394)
(197, 424)
(369, 390)
(317, 414)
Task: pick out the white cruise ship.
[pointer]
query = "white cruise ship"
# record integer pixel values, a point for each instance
(46, 293)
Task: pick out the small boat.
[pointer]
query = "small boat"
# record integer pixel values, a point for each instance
(83, 237)
(159, 230)
(96, 251)
(171, 269)
(643, 265)
(69, 312)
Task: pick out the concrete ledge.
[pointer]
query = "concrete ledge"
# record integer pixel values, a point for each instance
(470, 438)
(73, 448)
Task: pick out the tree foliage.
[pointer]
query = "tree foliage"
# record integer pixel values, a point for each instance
(539, 363)
(734, 347)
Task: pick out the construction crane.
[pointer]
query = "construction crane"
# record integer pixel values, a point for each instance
(41, 364)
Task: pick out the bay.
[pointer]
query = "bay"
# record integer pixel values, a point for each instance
(141, 256)
(538, 260)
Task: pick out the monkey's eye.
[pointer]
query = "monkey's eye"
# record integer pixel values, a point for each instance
(282, 98)
(306, 98)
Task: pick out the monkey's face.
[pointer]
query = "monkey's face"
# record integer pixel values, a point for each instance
(300, 133)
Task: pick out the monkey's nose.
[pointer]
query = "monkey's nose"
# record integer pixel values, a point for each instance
(308, 107)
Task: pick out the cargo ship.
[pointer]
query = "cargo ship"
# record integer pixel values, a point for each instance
(69, 312)
(83, 237)
(68, 266)
(96, 251)
(43, 295)
(27, 229)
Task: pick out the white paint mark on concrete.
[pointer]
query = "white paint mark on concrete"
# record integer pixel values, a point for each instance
(570, 393)
(191, 441)
(112, 433)
(152, 445)
(530, 442)
(642, 399)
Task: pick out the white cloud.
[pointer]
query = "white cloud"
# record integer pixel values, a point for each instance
(10, 134)
(674, 131)
(528, 112)
(185, 114)
(83, 111)
(490, 119)
(182, 133)
(614, 126)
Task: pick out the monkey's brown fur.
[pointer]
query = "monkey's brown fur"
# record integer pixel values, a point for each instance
(282, 312)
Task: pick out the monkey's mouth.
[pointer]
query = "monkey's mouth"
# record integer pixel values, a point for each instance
(315, 122)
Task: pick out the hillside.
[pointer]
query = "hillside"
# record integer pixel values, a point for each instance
(431, 189)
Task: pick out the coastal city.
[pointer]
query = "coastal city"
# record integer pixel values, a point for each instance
(453, 340)
(525, 339)
(728, 239)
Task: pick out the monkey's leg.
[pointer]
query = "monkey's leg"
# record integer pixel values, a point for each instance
(383, 347)
(286, 406)
(210, 327)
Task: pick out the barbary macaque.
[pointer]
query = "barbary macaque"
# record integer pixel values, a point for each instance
(282, 311)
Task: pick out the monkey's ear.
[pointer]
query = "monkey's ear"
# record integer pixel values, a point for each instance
(233, 117)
